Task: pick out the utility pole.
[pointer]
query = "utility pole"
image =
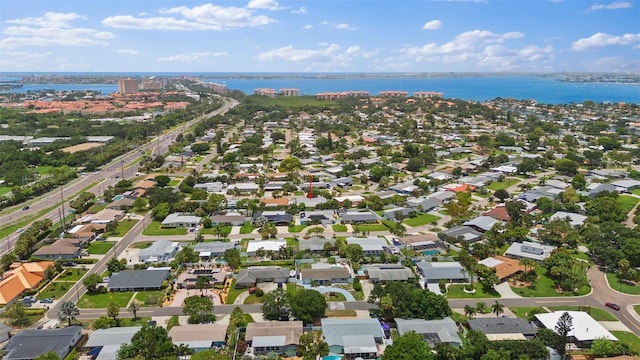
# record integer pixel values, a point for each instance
(122, 168)
(64, 228)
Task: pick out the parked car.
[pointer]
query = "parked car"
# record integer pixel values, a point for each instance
(26, 207)
(105, 279)
(252, 290)
(612, 306)
(19, 230)
(69, 263)
(26, 302)
(46, 301)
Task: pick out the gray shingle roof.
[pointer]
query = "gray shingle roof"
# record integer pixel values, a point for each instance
(441, 270)
(502, 325)
(334, 329)
(131, 279)
(29, 344)
(389, 272)
(445, 329)
(112, 336)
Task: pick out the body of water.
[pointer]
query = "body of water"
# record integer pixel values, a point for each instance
(473, 87)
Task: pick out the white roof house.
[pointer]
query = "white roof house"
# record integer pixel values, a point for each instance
(574, 219)
(585, 328)
(267, 245)
(181, 220)
(529, 250)
(370, 245)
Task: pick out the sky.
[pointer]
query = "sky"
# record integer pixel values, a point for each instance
(319, 36)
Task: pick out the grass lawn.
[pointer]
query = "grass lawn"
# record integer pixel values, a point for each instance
(335, 296)
(628, 338)
(150, 298)
(4, 190)
(457, 292)
(497, 185)
(44, 169)
(625, 287)
(627, 202)
(96, 207)
(99, 301)
(296, 228)
(443, 212)
(54, 290)
(173, 183)
(137, 322)
(544, 287)
(253, 299)
(100, 247)
(233, 292)
(292, 242)
(422, 219)
(72, 274)
(339, 228)
(340, 313)
(596, 313)
(635, 191)
(637, 309)
(124, 226)
(141, 245)
(525, 311)
(246, 228)
(370, 227)
(226, 229)
(154, 229)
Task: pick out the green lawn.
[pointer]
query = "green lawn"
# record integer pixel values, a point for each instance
(154, 229)
(625, 287)
(635, 191)
(370, 227)
(422, 219)
(627, 202)
(131, 322)
(253, 299)
(544, 287)
(97, 207)
(45, 169)
(336, 296)
(233, 292)
(124, 226)
(628, 338)
(100, 247)
(525, 311)
(246, 228)
(339, 228)
(100, 301)
(596, 313)
(141, 245)
(497, 185)
(173, 183)
(212, 230)
(296, 228)
(457, 292)
(4, 190)
(55, 290)
(150, 298)
(72, 274)
(293, 242)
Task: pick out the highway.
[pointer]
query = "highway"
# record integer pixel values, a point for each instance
(124, 166)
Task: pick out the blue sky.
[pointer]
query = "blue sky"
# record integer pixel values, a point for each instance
(320, 36)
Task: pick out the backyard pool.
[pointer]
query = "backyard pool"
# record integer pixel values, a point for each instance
(117, 197)
(431, 252)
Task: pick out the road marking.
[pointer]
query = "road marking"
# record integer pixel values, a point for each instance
(632, 321)
(571, 301)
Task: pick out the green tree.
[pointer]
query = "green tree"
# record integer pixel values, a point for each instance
(409, 346)
(469, 311)
(563, 328)
(149, 343)
(312, 345)
(608, 348)
(186, 255)
(68, 311)
(307, 305)
(290, 164)
(114, 265)
(203, 283)
(275, 305)
(567, 166)
(160, 212)
(210, 355)
(232, 258)
(200, 148)
(605, 208)
(497, 308)
(501, 194)
(354, 253)
(199, 309)
(217, 203)
(140, 203)
(91, 282)
(162, 180)
(48, 356)
(133, 308)
(113, 310)
(579, 182)
(17, 314)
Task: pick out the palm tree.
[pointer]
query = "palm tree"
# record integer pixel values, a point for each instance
(497, 308)
(133, 308)
(469, 311)
(68, 311)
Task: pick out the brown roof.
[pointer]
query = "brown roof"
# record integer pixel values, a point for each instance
(621, 357)
(279, 201)
(145, 184)
(508, 267)
(196, 332)
(21, 277)
(59, 247)
(419, 238)
(498, 213)
(291, 329)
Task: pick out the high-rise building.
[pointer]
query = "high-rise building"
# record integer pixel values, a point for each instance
(127, 86)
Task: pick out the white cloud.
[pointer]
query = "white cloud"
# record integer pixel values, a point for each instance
(127, 51)
(202, 18)
(601, 39)
(297, 55)
(339, 26)
(302, 10)
(307, 27)
(51, 29)
(432, 25)
(192, 57)
(465, 41)
(612, 6)
(263, 4)
(326, 57)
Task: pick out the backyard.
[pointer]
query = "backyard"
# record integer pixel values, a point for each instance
(124, 226)
(627, 202)
(155, 229)
(422, 219)
(497, 185)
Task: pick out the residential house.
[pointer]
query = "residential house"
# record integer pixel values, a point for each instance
(353, 338)
(21, 277)
(585, 328)
(574, 219)
(211, 187)
(243, 188)
(328, 276)
(529, 250)
(358, 217)
(315, 244)
(598, 188)
(124, 203)
(67, 248)
(181, 220)
(30, 344)
(450, 271)
(482, 223)
(159, 251)
(255, 274)
(397, 213)
(199, 337)
(281, 337)
(503, 328)
(86, 232)
(105, 343)
(443, 196)
(462, 233)
(499, 213)
(383, 273)
(188, 279)
(434, 332)
(266, 245)
(626, 185)
(279, 218)
(232, 219)
(214, 249)
(372, 246)
(505, 267)
(344, 182)
(102, 217)
(404, 188)
(138, 280)
(324, 217)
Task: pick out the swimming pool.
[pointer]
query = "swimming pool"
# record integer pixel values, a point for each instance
(431, 252)
(117, 197)
(332, 357)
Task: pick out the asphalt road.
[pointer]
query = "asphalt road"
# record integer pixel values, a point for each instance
(124, 166)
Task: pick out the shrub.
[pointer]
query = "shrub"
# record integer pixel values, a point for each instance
(356, 285)
(102, 290)
(151, 300)
(259, 293)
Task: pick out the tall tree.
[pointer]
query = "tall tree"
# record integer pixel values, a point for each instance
(275, 305)
(133, 308)
(497, 308)
(68, 311)
(307, 305)
(563, 328)
(409, 346)
(199, 309)
(113, 310)
(149, 343)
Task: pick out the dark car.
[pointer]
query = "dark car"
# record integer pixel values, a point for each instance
(69, 263)
(46, 301)
(613, 306)
(26, 207)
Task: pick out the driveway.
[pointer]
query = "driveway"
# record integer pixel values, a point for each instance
(328, 289)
